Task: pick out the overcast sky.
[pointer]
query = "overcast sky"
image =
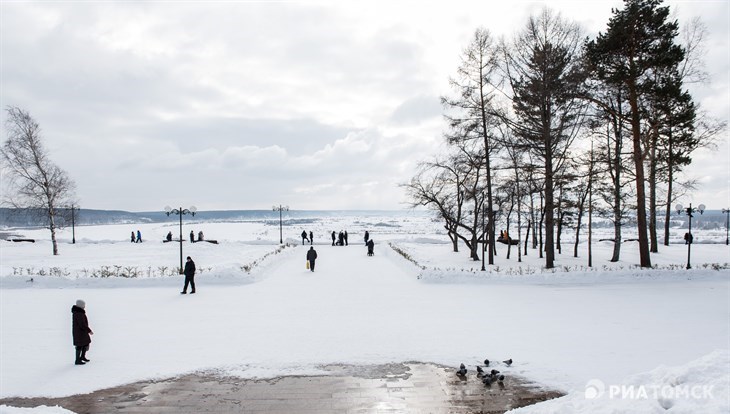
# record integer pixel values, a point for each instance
(242, 105)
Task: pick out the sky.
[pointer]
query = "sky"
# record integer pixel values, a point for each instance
(243, 105)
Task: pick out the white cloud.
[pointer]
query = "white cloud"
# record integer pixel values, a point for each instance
(243, 104)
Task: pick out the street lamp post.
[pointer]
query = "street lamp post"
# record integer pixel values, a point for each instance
(73, 224)
(180, 211)
(689, 210)
(726, 212)
(280, 208)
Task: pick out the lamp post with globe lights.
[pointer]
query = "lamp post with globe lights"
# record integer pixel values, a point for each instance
(688, 211)
(280, 208)
(180, 212)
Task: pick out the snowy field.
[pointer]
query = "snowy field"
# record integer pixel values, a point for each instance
(259, 313)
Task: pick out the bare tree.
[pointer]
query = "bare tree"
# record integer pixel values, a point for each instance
(471, 117)
(35, 182)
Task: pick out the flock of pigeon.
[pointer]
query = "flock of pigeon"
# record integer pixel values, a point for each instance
(487, 377)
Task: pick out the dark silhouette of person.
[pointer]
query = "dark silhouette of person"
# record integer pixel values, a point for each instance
(192, 237)
(371, 247)
(367, 237)
(346, 238)
(333, 237)
(80, 331)
(189, 276)
(341, 239)
(311, 238)
(304, 236)
(688, 238)
(169, 236)
(311, 257)
(200, 236)
(139, 237)
(133, 238)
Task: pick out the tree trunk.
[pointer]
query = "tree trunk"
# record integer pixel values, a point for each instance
(670, 168)
(549, 205)
(654, 244)
(52, 225)
(644, 257)
(542, 219)
(527, 234)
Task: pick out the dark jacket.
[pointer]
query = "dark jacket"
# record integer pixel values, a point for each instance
(311, 255)
(80, 327)
(189, 268)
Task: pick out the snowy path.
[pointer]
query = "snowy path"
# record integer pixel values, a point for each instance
(358, 310)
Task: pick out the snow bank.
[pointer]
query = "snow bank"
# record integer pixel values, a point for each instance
(4, 409)
(701, 386)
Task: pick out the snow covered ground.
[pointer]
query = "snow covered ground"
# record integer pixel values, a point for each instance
(259, 313)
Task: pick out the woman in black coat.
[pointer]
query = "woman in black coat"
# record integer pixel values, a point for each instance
(80, 331)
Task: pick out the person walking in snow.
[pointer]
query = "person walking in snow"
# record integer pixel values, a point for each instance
(139, 237)
(133, 238)
(367, 237)
(304, 236)
(311, 238)
(200, 236)
(333, 237)
(311, 257)
(346, 238)
(189, 276)
(192, 237)
(80, 331)
(371, 247)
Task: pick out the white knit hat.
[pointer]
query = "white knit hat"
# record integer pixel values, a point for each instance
(81, 304)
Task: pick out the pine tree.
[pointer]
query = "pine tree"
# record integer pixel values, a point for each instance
(638, 43)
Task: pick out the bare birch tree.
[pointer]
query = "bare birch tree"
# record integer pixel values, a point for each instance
(35, 182)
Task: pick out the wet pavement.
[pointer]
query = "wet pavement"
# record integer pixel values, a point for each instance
(392, 388)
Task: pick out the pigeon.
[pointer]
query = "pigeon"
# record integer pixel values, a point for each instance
(461, 371)
(501, 378)
(487, 380)
(508, 362)
(494, 372)
(480, 371)
(486, 362)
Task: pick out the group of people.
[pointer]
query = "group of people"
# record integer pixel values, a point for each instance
(369, 243)
(81, 332)
(138, 238)
(341, 238)
(309, 238)
(192, 236)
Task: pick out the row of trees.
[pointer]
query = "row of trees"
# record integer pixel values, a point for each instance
(547, 125)
(32, 182)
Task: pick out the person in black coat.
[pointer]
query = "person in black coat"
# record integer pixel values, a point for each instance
(169, 236)
(371, 247)
(367, 237)
(80, 331)
(189, 276)
(192, 237)
(311, 257)
(333, 238)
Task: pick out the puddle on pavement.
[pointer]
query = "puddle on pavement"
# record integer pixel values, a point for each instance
(392, 388)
